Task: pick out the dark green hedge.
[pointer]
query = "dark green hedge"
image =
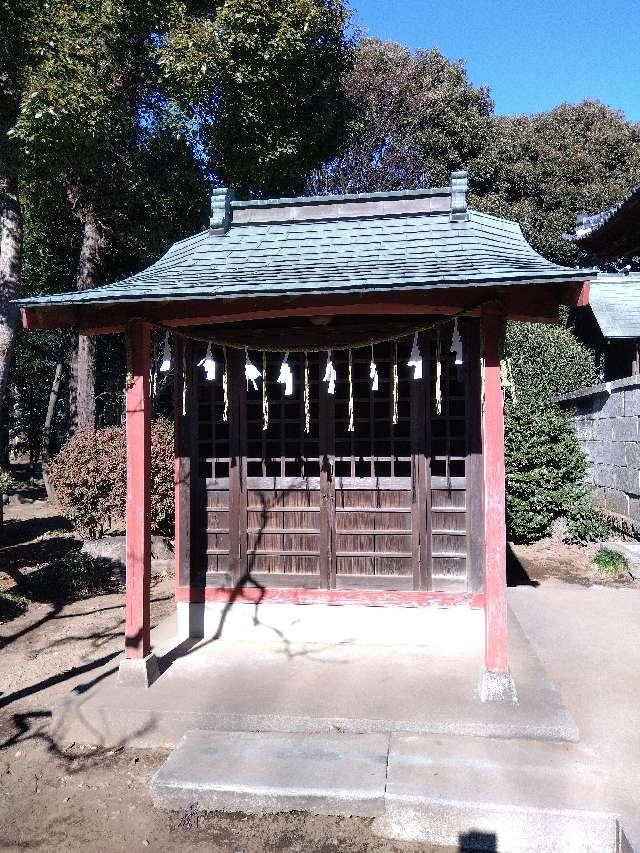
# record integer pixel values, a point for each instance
(545, 465)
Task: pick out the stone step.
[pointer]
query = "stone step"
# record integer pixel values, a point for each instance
(508, 796)
(275, 772)
(461, 792)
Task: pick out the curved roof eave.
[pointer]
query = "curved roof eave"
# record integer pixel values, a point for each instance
(362, 254)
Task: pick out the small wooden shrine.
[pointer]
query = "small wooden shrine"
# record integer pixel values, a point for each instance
(338, 400)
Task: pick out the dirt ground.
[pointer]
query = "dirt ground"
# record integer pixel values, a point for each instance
(552, 561)
(61, 797)
(69, 797)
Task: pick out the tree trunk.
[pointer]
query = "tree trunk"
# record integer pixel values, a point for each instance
(10, 264)
(83, 381)
(83, 365)
(45, 454)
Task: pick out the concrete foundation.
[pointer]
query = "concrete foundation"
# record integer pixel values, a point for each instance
(339, 685)
(448, 631)
(134, 673)
(497, 687)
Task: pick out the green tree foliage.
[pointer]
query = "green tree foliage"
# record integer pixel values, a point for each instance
(96, 136)
(125, 108)
(548, 360)
(543, 170)
(260, 81)
(416, 118)
(545, 474)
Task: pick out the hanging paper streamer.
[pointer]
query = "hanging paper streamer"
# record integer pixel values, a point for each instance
(251, 372)
(456, 343)
(415, 358)
(395, 383)
(351, 426)
(225, 388)
(373, 372)
(506, 378)
(165, 364)
(209, 364)
(307, 407)
(438, 374)
(265, 402)
(184, 382)
(512, 384)
(330, 374)
(285, 377)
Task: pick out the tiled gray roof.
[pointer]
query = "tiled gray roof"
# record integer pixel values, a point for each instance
(613, 234)
(615, 302)
(349, 244)
(587, 225)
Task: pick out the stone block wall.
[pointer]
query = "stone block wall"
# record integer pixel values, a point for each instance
(606, 419)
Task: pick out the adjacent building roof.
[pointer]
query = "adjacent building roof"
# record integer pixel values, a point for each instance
(411, 240)
(615, 302)
(614, 233)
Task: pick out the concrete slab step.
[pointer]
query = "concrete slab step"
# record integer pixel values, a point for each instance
(461, 792)
(275, 772)
(515, 796)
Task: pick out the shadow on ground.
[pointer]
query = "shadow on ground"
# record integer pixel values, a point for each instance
(476, 841)
(516, 574)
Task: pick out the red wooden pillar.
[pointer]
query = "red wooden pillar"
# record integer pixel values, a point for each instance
(495, 538)
(137, 626)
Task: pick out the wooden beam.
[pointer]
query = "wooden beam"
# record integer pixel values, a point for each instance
(299, 595)
(138, 510)
(495, 540)
(535, 303)
(182, 470)
(473, 463)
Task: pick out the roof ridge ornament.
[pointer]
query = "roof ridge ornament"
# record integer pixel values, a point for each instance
(221, 212)
(459, 187)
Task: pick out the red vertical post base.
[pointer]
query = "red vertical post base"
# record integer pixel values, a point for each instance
(139, 666)
(496, 684)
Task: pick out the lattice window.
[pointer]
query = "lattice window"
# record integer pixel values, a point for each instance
(376, 447)
(284, 449)
(213, 431)
(448, 444)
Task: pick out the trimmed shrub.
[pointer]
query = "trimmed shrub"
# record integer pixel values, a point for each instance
(545, 465)
(71, 578)
(585, 522)
(545, 474)
(89, 475)
(548, 360)
(12, 605)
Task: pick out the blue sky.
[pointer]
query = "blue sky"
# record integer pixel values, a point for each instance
(534, 55)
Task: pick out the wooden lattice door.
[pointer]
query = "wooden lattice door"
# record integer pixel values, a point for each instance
(378, 535)
(382, 506)
(283, 477)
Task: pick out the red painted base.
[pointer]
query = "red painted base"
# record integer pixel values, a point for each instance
(368, 598)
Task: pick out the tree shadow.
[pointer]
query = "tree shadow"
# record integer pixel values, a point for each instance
(18, 531)
(516, 573)
(246, 590)
(54, 680)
